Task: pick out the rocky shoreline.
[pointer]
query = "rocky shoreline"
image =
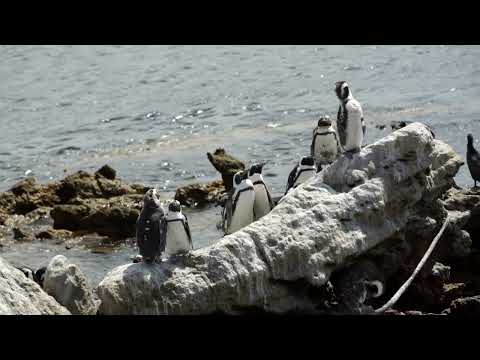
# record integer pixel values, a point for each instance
(369, 216)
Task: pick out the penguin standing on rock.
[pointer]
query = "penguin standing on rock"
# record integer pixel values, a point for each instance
(238, 211)
(473, 160)
(325, 144)
(263, 203)
(303, 171)
(350, 123)
(151, 227)
(37, 276)
(178, 236)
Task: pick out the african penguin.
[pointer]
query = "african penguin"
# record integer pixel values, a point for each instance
(238, 211)
(151, 227)
(178, 236)
(473, 160)
(37, 276)
(350, 123)
(303, 171)
(324, 147)
(263, 203)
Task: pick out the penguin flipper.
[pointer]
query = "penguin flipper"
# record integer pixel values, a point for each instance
(227, 212)
(312, 145)
(162, 229)
(187, 230)
(291, 178)
(270, 200)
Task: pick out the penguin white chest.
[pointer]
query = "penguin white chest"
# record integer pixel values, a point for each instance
(243, 213)
(304, 176)
(177, 238)
(261, 206)
(325, 148)
(354, 132)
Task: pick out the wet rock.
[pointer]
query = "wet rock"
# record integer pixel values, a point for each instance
(27, 195)
(84, 185)
(107, 172)
(319, 228)
(22, 296)
(468, 306)
(198, 195)
(226, 165)
(54, 234)
(466, 201)
(115, 217)
(67, 284)
(21, 234)
(3, 217)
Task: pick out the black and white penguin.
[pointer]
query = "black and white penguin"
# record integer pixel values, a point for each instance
(37, 276)
(178, 236)
(473, 160)
(325, 145)
(151, 227)
(303, 171)
(238, 211)
(263, 203)
(350, 123)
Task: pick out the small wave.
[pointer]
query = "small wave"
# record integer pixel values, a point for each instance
(67, 149)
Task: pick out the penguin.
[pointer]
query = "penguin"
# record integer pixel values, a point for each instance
(325, 146)
(303, 171)
(238, 211)
(473, 160)
(178, 236)
(263, 203)
(151, 227)
(28, 272)
(37, 276)
(350, 122)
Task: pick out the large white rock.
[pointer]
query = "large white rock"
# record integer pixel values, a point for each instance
(350, 207)
(22, 296)
(68, 285)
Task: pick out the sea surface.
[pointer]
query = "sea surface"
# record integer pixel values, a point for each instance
(153, 112)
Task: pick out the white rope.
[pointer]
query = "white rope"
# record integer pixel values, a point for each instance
(422, 262)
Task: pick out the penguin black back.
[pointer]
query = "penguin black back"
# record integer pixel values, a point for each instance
(473, 160)
(151, 225)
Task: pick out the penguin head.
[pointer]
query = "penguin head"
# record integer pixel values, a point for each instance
(27, 272)
(39, 275)
(374, 288)
(324, 121)
(255, 169)
(470, 139)
(174, 206)
(239, 177)
(342, 90)
(307, 161)
(151, 199)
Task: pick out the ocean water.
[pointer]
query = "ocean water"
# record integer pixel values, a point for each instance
(153, 112)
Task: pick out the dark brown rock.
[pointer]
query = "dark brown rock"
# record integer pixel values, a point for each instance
(198, 195)
(21, 234)
(107, 172)
(226, 165)
(54, 234)
(468, 306)
(115, 217)
(3, 217)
